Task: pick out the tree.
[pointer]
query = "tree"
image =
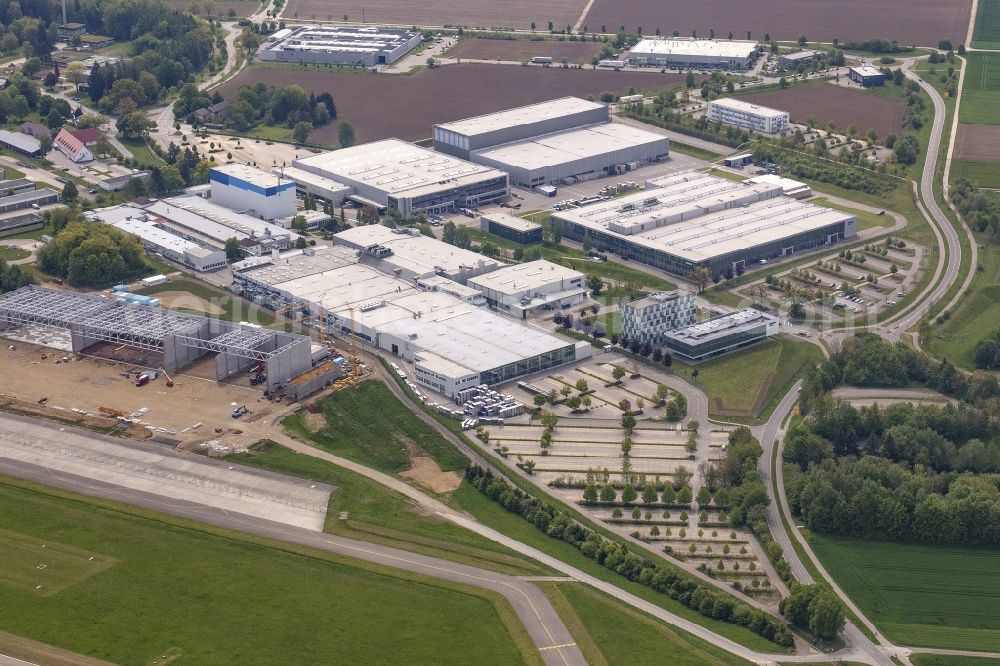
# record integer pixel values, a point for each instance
(75, 74)
(595, 284)
(17, 106)
(301, 131)
(628, 423)
(700, 276)
(69, 192)
(618, 372)
(135, 125)
(300, 243)
(608, 493)
(649, 494)
(581, 385)
(590, 494)
(629, 494)
(782, 83)
(232, 248)
(345, 134)
(826, 615)
(539, 399)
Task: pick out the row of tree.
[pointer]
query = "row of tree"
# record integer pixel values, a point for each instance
(616, 557)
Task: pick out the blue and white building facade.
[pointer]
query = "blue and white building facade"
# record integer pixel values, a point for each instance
(249, 190)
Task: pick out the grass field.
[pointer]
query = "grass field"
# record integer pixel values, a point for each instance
(927, 596)
(379, 515)
(694, 151)
(367, 424)
(596, 622)
(234, 309)
(46, 567)
(866, 219)
(979, 173)
(745, 384)
(977, 316)
(210, 596)
(142, 153)
(986, 34)
(981, 95)
(12, 254)
(949, 660)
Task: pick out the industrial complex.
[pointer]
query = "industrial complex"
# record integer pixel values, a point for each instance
(697, 53)
(532, 286)
(559, 141)
(744, 114)
(393, 174)
(248, 189)
(696, 219)
(355, 46)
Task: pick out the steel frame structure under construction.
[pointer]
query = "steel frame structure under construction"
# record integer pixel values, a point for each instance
(181, 338)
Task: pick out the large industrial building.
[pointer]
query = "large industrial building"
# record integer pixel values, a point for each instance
(648, 319)
(511, 228)
(553, 142)
(353, 46)
(695, 219)
(211, 225)
(527, 288)
(754, 117)
(171, 339)
(318, 186)
(453, 344)
(683, 52)
(248, 189)
(410, 255)
(721, 335)
(156, 240)
(397, 175)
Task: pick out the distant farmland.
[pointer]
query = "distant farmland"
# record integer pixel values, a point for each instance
(407, 107)
(986, 34)
(981, 94)
(523, 49)
(920, 22)
(469, 13)
(844, 106)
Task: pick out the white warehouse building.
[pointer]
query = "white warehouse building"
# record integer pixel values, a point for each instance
(744, 114)
(354, 46)
(250, 190)
(529, 287)
(681, 52)
(397, 175)
(559, 141)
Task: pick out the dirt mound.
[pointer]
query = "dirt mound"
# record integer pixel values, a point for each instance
(425, 471)
(187, 301)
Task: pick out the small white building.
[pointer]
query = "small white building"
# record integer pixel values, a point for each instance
(790, 188)
(248, 189)
(744, 114)
(536, 285)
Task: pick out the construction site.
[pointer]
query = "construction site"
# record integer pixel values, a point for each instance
(152, 373)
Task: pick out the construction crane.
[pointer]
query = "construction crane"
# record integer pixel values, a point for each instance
(170, 381)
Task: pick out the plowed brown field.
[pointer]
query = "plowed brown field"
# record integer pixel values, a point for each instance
(523, 49)
(920, 22)
(978, 142)
(407, 107)
(844, 106)
(469, 13)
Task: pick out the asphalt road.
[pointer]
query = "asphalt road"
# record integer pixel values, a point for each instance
(543, 624)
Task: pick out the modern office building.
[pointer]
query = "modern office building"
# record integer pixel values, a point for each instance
(744, 114)
(397, 175)
(721, 335)
(409, 254)
(157, 240)
(695, 219)
(508, 227)
(353, 46)
(461, 137)
(453, 344)
(681, 52)
(250, 190)
(648, 319)
(866, 75)
(558, 141)
(793, 60)
(528, 288)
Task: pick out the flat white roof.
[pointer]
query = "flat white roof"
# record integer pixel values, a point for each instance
(511, 221)
(307, 178)
(526, 277)
(713, 48)
(709, 227)
(418, 254)
(126, 218)
(867, 70)
(786, 184)
(522, 115)
(747, 107)
(397, 168)
(250, 174)
(719, 326)
(234, 221)
(571, 145)
(800, 55)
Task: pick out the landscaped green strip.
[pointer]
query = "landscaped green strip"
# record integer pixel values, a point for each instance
(214, 596)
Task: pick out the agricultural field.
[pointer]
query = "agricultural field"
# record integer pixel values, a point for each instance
(843, 106)
(980, 173)
(595, 620)
(929, 596)
(977, 142)
(919, 22)
(215, 8)
(981, 94)
(179, 588)
(986, 34)
(523, 50)
(372, 102)
(973, 321)
(517, 14)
